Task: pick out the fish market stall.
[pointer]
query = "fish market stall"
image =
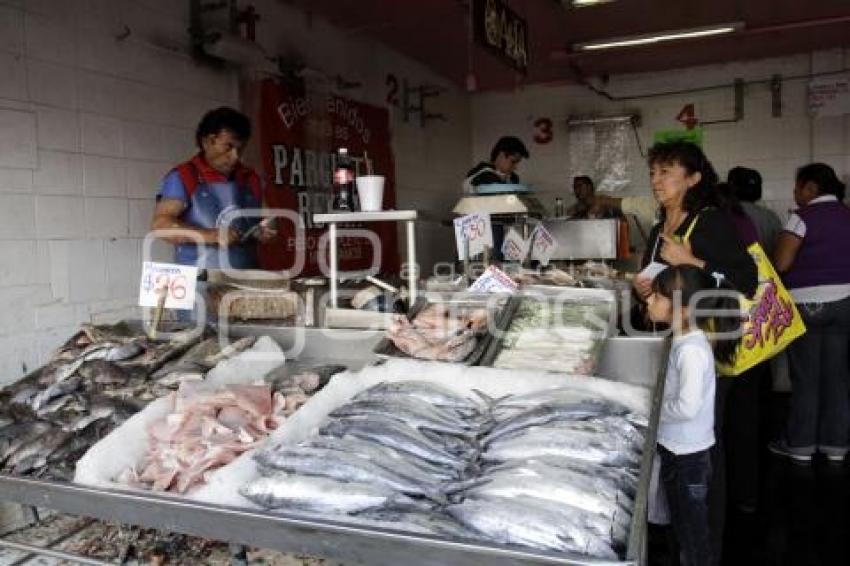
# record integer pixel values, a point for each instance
(333, 536)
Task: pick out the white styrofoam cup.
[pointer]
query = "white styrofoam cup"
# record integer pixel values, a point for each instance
(370, 190)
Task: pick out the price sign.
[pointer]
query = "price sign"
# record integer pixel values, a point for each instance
(475, 229)
(543, 245)
(178, 282)
(494, 280)
(514, 248)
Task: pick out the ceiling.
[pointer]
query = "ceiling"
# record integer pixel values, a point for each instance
(435, 33)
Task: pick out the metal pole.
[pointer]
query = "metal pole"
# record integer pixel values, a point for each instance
(332, 235)
(412, 267)
(33, 549)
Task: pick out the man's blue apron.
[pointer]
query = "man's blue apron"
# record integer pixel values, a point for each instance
(209, 205)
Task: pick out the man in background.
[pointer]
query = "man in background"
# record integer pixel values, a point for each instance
(504, 157)
(746, 186)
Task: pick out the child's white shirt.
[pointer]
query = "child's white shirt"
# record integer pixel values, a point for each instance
(687, 410)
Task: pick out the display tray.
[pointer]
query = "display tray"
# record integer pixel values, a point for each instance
(633, 360)
(556, 296)
(505, 306)
(126, 446)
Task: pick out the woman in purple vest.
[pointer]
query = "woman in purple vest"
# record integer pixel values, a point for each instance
(816, 270)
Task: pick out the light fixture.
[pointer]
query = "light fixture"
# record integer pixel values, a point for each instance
(649, 39)
(586, 3)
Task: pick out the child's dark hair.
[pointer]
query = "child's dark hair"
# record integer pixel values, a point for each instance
(689, 280)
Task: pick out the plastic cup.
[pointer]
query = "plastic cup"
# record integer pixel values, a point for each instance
(370, 190)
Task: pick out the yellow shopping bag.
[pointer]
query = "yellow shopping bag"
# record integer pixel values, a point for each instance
(770, 319)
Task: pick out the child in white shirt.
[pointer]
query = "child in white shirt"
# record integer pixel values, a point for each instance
(686, 427)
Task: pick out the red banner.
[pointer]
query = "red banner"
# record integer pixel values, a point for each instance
(299, 136)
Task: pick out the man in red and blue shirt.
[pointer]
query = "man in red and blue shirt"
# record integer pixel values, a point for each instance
(198, 196)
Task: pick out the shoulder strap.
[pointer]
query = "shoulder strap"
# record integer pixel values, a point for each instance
(189, 176)
(687, 235)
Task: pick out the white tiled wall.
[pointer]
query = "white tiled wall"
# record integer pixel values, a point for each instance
(89, 124)
(774, 146)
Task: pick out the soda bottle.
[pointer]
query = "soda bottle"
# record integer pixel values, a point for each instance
(559, 207)
(343, 182)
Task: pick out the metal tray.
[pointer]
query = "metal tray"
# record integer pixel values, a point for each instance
(386, 349)
(331, 539)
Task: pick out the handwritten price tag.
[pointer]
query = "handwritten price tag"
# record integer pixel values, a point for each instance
(477, 230)
(494, 280)
(178, 282)
(543, 245)
(514, 247)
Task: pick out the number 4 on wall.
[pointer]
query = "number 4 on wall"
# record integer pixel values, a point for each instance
(688, 116)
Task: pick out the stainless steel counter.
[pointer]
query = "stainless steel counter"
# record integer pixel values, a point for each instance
(624, 359)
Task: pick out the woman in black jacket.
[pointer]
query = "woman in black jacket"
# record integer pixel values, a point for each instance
(693, 230)
(683, 182)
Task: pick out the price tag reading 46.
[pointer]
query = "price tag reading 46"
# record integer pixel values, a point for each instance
(178, 282)
(477, 230)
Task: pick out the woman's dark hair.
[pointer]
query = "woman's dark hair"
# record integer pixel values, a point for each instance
(509, 145)
(584, 179)
(689, 280)
(223, 118)
(693, 160)
(824, 177)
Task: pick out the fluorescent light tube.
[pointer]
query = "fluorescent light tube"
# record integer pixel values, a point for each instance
(636, 40)
(584, 3)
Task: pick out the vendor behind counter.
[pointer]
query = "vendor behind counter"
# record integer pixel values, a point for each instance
(504, 157)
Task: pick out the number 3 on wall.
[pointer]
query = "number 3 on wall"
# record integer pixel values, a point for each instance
(543, 130)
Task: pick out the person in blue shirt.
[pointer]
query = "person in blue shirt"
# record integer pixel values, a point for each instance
(198, 196)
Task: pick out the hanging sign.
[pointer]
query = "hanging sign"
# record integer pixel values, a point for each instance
(500, 29)
(514, 247)
(543, 245)
(829, 96)
(475, 229)
(300, 133)
(177, 282)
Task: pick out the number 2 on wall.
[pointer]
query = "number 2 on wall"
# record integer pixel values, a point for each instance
(392, 90)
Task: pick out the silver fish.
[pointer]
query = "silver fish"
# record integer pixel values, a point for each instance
(343, 467)
(97, 413)
(52, 392)
(35, 454)
(412, 414)
(513, 522)
(124, 351)
(394, 434)
(612, 533)
(422, 390)
(587, 450)
(624, 479)
(547, 413)
(418, 521)
(386, 457)
(321, 495)
(578, 494)
(609, 427)
(545, 434)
